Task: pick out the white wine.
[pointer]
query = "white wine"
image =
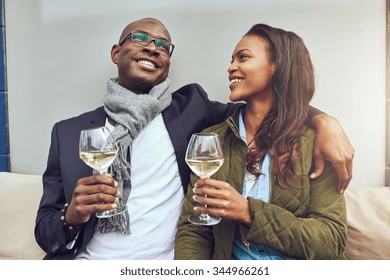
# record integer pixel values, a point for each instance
(205, 166)
(98, 160)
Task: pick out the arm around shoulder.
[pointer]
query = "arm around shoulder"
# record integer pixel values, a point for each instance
(332, 144)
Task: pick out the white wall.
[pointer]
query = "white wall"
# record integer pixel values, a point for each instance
(58, 56)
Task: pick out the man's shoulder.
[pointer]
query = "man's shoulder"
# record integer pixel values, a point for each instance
(190, 95)
(93, 115)
(189, 89)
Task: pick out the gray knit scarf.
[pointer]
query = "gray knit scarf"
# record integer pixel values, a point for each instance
(132, 113)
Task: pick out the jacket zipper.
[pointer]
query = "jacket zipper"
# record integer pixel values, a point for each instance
(247, 245)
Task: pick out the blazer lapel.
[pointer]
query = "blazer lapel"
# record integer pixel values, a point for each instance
(176, 130)
(98, 118)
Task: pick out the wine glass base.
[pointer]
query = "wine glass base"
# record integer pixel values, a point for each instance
(111, 213)
(205, 221)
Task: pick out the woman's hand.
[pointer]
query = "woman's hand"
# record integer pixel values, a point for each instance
(222, 201)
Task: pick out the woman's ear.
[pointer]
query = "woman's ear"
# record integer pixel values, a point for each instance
(115, 53)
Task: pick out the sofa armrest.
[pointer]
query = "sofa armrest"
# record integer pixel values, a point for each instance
(19, 201)
(368, 212)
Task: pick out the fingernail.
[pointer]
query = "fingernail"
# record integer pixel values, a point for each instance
(115, 183)
(118, 193)
(194, 190)
(114, 206)
(194, 197)
(196, 185)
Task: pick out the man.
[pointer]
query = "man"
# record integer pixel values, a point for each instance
(152, 127)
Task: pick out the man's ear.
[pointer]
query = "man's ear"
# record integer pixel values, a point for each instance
(115, 53)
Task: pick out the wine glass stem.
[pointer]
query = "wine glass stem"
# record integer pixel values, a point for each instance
(97, 172)
(204, 216)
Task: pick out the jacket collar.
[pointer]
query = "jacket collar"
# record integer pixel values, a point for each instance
(232, 121)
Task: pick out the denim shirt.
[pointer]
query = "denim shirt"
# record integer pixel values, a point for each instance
(258, 188)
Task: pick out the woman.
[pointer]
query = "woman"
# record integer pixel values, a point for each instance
(270, 208)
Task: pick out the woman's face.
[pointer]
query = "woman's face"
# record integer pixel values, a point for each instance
(250, 73)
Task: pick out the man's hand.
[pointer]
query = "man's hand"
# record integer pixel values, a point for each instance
(92, 194)
(332, 144)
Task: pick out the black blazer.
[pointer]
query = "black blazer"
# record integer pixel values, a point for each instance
(190, 111)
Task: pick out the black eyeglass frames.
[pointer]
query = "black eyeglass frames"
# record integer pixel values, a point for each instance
(144, 39)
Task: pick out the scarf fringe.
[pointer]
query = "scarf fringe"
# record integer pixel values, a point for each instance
(119, 223)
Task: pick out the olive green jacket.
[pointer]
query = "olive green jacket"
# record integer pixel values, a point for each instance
(307, 220)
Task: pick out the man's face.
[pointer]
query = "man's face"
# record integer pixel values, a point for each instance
(141, 67)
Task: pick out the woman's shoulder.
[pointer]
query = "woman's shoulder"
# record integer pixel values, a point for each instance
(218, 128)
(309, 133)
(307, 138)
(306, 147)
(223, 127)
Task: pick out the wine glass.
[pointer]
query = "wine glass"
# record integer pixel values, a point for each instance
(98, 150)
(204, 156)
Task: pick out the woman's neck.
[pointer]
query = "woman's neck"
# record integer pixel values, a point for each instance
(254, 117)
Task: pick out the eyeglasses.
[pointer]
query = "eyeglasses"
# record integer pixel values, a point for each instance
(144, 39)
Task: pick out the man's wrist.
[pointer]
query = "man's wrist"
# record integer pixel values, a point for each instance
(66, 225)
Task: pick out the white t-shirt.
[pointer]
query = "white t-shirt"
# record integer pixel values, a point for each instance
(154, 203)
